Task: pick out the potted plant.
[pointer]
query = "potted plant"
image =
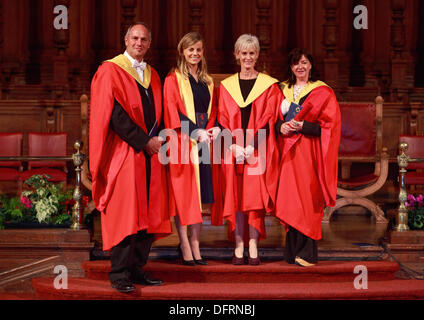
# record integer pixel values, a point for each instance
(415, 207)
(43, 204)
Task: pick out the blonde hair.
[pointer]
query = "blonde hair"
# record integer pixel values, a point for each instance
(188, 40)
(246, 41)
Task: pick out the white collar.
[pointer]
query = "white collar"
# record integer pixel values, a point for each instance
(132, 60)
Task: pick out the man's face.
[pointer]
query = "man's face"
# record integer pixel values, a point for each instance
(138, 42)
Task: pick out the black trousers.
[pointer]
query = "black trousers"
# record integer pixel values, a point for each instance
(299, 245)
(130, 255)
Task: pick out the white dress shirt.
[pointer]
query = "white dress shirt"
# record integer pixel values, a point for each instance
(138, 66)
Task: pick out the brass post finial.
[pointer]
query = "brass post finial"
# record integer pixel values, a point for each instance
(402, 217)
(78, 159)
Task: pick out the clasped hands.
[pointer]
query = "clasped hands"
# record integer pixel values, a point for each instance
(241, 153)
(291, 126)
(206, 136)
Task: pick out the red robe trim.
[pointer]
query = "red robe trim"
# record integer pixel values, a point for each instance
(183, 189)
(118, 172)
(251, 194)
(308, 177)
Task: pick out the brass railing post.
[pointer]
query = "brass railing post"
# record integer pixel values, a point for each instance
(78, 159)
(402, 217)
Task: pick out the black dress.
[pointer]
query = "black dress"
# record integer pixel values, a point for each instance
(202, 99)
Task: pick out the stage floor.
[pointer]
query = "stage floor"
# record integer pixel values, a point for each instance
(344, 230)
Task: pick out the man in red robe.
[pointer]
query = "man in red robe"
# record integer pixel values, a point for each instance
(129, 183)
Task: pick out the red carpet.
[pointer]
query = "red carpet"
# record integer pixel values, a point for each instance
(17, 296)
(267, 272)
(269, 281)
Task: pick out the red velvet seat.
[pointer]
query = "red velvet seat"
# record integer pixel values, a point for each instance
(47, 144)
(11, 145)
(361, 142)
(415, 174)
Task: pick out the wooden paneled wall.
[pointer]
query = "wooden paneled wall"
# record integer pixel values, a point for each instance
(44, 71)
(39, 62)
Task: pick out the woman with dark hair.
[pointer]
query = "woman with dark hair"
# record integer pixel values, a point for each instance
(309, 130)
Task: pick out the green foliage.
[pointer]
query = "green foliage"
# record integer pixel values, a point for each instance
(44, 202)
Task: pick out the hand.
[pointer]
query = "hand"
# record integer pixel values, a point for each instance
(202, 136)
(214, 132)
(297, 125)
(238, 152)
(153, 146)
(286, 128)
(248, 151)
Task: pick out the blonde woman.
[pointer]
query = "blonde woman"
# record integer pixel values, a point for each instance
(247, 102)
(190, 110)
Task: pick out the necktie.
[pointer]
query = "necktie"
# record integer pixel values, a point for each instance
(139, 67)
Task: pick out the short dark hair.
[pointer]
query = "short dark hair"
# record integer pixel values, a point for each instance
(294, 57)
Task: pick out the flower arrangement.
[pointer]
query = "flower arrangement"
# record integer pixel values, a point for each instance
(44, 203)
(415, 207)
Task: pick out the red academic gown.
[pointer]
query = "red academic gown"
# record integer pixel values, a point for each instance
(251, 188)
(118, 172)
(184, 189)
(308, 176)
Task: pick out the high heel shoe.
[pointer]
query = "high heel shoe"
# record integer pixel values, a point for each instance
(200, 262)
(254, 261)
(237, 261)
(303, 263)
(184, 262)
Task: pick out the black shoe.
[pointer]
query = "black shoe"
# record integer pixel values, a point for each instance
(201, 262)
(142, 278)
(123, 285)
(185, 262)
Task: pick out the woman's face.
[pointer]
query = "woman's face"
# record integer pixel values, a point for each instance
(247, 57)
(194, 54)
(302, 68)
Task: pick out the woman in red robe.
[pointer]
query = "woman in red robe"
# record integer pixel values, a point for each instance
(247, 106)
(190, 111)
(309, 126)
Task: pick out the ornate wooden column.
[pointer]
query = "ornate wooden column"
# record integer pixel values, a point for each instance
(1, 48)
(398, 63)
(419, 64)
(357, 76)
(128, 15)
(196, 16)
(263, 28)
(331, 62)
(60, 88)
